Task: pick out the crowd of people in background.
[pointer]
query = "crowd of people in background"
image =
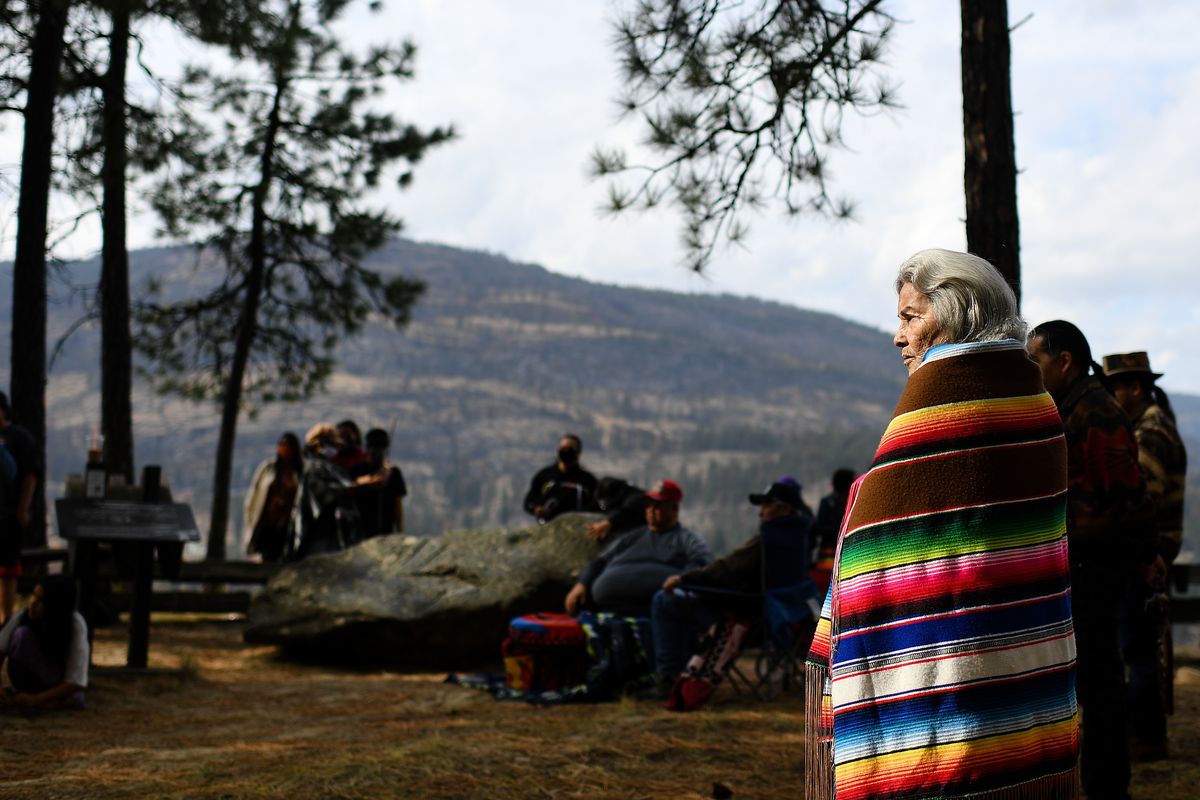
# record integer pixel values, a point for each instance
(338, 489)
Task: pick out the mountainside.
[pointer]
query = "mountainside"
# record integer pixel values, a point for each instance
(721, 393)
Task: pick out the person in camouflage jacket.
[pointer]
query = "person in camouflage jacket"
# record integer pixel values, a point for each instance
(1111, 537)
(1161, 453)
(1145, 619)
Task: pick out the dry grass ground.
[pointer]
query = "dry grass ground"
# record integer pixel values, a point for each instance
(235, 721)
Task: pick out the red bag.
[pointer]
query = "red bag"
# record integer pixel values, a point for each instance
(705, 670)
(544, 652)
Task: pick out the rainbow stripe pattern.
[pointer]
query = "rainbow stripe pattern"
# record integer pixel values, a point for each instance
(944, 663)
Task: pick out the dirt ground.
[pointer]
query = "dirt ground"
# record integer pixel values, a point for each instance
(236, 721)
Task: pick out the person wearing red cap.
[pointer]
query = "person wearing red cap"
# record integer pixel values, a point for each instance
(626, 574)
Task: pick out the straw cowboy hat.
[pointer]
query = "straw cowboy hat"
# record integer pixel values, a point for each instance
(1129, 364)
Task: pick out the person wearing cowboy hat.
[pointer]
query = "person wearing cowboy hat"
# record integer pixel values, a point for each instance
(1163, 460)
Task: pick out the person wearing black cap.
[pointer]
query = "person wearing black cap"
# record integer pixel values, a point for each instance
(680, 616)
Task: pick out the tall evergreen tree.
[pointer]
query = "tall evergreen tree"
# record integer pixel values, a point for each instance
(273, 176)
(27, 374)
(990, 163)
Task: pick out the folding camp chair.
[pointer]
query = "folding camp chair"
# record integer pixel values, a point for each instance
(789, 611)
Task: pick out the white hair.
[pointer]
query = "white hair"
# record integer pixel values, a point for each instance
(970, 297)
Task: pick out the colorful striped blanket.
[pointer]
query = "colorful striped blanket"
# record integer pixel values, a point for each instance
(944, 662)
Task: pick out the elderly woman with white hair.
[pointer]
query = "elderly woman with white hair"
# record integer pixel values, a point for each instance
(944, 662)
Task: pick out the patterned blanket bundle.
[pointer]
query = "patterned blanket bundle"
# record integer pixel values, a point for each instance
(943, 665)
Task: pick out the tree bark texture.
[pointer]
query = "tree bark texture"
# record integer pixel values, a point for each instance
(116, 361)
(247, 324)
(990, 171)
(28, 368)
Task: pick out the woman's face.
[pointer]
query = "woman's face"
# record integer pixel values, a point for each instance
(919, 329)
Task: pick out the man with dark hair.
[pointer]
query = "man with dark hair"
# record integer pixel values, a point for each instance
(1144, 617)
(1110, 531)
(16, 496)
(379, 489)
(624, 506)
(626, 574)
(829, 521)
(562, 486)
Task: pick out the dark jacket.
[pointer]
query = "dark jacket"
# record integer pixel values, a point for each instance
(624, 504)
(829, 521)
(742, 570)
(1110, 516)
(557, 491)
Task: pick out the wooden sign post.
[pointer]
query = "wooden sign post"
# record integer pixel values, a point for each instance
(144, 525)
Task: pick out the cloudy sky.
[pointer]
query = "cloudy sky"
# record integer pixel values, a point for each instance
(1108, 101)
(1107, 95)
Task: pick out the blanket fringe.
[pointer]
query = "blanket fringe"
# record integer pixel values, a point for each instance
(818, 738)
(1061, 786)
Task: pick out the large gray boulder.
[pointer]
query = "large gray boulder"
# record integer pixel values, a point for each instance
(441, 603)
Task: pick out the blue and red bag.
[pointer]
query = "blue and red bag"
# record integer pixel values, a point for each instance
(544, 652)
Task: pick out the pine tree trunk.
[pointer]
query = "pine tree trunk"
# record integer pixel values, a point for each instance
(990, 174)
(247, 325)
(116, 364)
(28, 370)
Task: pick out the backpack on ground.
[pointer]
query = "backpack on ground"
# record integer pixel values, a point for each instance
(544, 652)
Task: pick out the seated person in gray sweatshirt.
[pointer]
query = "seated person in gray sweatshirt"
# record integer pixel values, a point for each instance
(625, 576)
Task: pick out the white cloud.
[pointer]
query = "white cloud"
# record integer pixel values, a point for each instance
(1108, 100)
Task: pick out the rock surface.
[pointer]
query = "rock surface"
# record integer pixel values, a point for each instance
(441, 603)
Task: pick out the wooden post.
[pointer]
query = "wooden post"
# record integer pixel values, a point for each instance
(143, 582)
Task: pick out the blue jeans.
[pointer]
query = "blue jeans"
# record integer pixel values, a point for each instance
(679, 618)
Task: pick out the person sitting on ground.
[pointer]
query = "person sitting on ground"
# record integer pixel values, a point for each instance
(46, 648)
(627, 573)
(625, 505)
(379, 489)
(272, 497)
(326, 518)
(829, 521)
(680, 615)
(562, 486)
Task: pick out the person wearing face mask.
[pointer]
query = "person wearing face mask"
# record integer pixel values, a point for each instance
(272, 497)
(562, 486)
(326, 518)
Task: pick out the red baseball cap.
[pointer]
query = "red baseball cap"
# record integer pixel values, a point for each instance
(666, 492)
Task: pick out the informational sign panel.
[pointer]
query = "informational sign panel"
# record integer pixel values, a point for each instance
(117, 521)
